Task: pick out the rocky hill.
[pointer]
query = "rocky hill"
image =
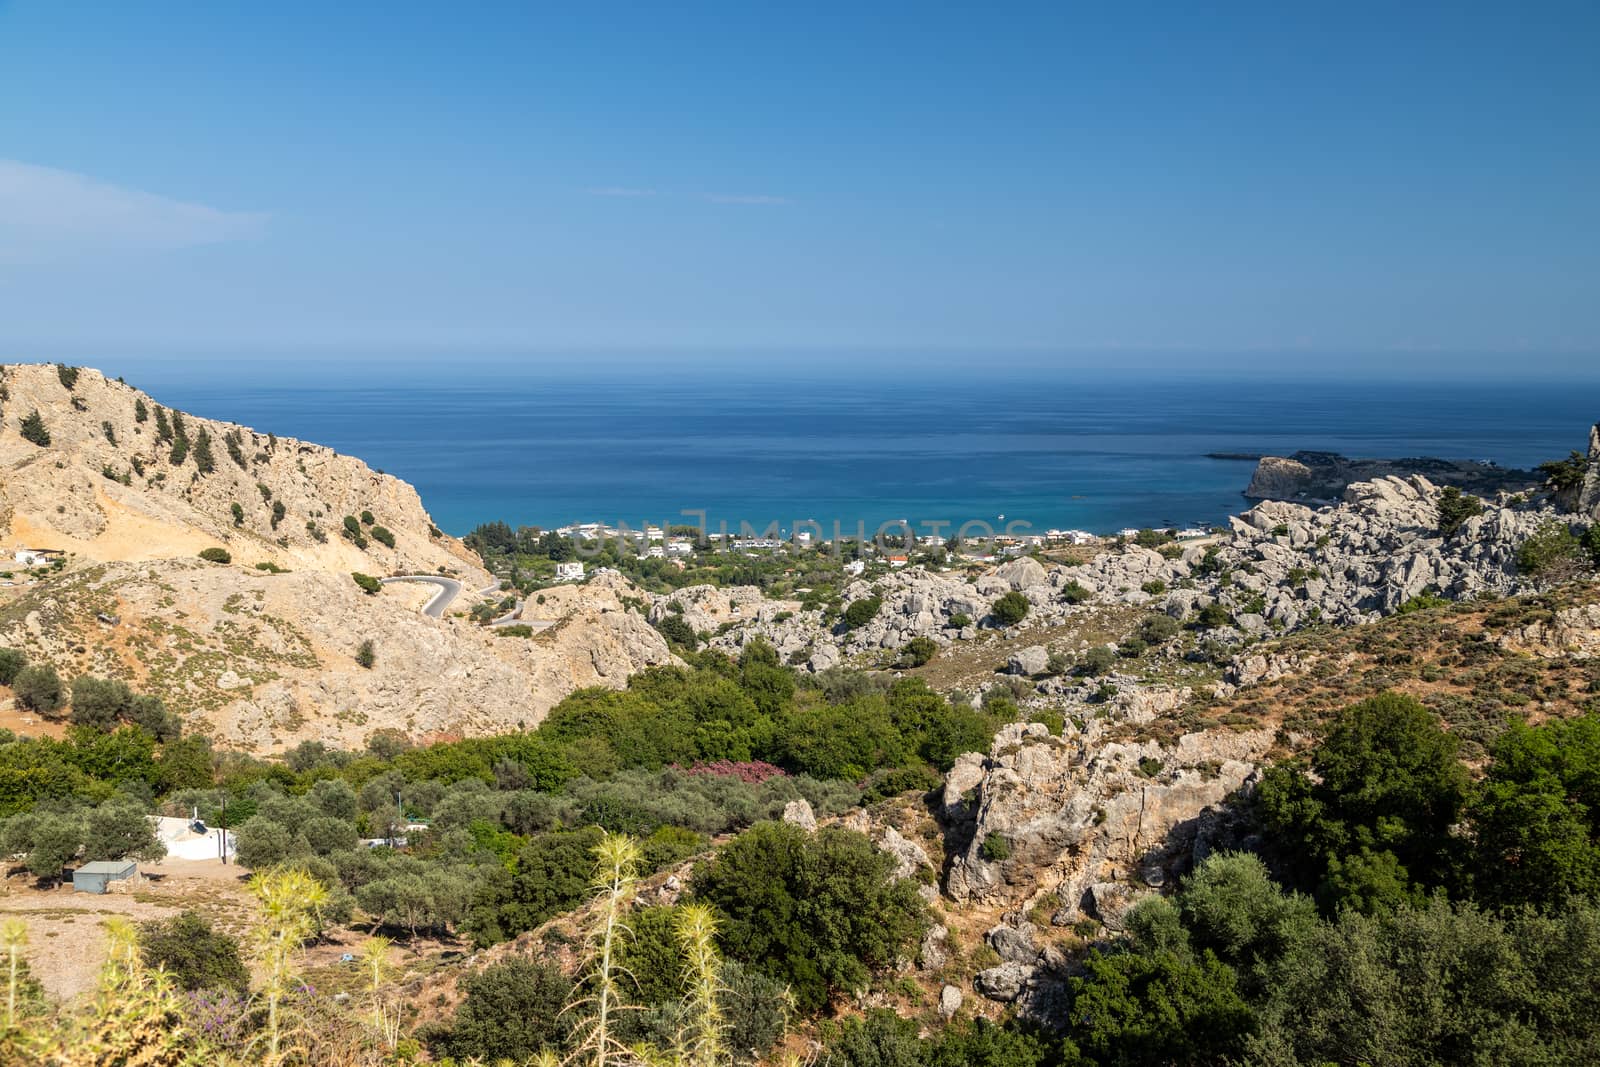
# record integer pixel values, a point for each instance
(259, 652)
(123, 478)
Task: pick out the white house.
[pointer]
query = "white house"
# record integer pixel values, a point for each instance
(569, 572)
(1189, 534)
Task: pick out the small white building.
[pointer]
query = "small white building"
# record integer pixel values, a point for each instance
(855, 567)
(1190, 534)
(569, 572)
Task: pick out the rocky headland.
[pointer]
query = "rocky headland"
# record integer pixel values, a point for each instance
(1312, 477)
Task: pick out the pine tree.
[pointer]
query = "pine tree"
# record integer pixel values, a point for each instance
(33, 429)
(202, 452)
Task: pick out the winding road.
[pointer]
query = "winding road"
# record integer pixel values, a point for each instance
(449, 589)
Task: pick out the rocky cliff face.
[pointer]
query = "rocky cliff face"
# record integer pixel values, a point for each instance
(106, 487)
(1589, 497)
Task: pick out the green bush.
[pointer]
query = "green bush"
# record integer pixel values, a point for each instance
(860, 612)
(367, 519)
(366, 655)
(676, 630)
(195, 954)
(918, 651)
(1010, 609)
(216, 555)
(38, 688)
(238, 513)
(1099, 661)
(1213, 616)
(1154, 629)
(140, 412)
(995, 847)
(819, 911)
(367, 583)
(513, 1009)
(382, 535)
(1073, 592)
(68, 375)
(961, 620)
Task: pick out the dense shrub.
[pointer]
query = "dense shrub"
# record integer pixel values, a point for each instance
(1010, 609)
(196, 955)
(918, 651)
(366, 654)
(216, 555)
(382, 535)
(819, 911)
(512, 1009)
(860, 612)
(367, 583)
(678, 631)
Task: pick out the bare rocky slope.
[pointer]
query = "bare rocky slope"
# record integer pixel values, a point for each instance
(107, 488)
(262, 659)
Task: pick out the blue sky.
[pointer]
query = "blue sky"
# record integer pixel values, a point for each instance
(1282, 185)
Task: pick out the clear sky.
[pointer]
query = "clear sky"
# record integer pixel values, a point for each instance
(1407, 185)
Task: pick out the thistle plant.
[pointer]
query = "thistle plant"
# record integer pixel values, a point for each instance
(13, 936)
(375, 962)
(701, 1042)
(290, 899)
(136, 1016)
(598, 997)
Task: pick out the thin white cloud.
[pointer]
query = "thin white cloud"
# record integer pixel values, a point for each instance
(619, 190)
(732, 198)
(46, 213)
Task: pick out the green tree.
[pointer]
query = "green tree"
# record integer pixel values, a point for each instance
(33, 429)
(203, 459)
(382, 535)
(1455, 508)
(1010, 609)
(12, 661)
(1385, 778)
(1551, 553)
(366, 654)
(121, 829)
(818, 911)
(100, 702)
(238, 513)
(216, 555)
(38, 688)
(196, 954)
(367, 583)
(68, 375)
(54, 842)
(140, 412)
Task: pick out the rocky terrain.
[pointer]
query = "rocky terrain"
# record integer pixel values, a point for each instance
(261, 657)
(1324, 476)
(1280, 567)
(106, 487)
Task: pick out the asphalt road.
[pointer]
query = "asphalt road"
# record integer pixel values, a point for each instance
(449, 589)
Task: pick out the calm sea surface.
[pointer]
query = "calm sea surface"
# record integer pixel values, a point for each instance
(1097, 455)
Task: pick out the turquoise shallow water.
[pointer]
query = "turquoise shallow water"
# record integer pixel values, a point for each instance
(1053, 452)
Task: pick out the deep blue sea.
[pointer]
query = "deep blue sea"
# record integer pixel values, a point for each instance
(1052, 451)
